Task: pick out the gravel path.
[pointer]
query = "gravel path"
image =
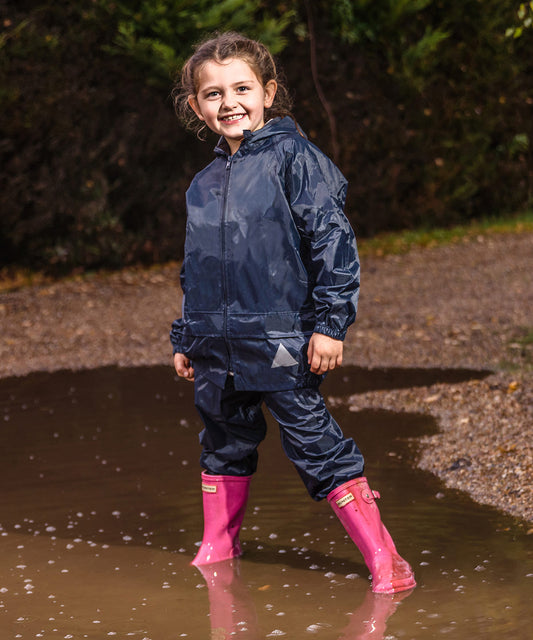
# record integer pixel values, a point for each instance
(467, 304)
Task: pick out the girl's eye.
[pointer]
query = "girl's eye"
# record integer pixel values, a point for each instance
(212, 94)
(242, 89)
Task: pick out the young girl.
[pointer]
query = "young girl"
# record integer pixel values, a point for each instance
(270, 282)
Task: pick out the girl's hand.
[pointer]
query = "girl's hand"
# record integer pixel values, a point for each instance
(324, 353)
(182, 364)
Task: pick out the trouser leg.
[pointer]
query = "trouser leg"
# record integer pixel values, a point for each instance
(313, 441)
(234, 426)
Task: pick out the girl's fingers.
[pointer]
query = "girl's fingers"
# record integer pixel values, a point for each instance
(320, 365)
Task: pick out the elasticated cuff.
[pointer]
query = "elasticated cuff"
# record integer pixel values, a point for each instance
(320, 327)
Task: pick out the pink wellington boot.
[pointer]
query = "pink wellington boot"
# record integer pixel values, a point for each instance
(355, 506)
(224, 501)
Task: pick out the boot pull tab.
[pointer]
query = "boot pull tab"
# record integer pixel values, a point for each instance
(370, 496)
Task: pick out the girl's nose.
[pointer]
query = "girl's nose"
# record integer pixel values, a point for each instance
(228, 101)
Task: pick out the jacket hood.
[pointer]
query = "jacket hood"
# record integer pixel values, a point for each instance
(273, 127)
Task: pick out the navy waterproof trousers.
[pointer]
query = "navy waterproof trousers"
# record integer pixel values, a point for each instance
(312, 440)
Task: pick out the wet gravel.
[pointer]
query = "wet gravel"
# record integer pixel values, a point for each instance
(467, 304)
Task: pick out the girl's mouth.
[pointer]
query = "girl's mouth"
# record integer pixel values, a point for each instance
(232, 118)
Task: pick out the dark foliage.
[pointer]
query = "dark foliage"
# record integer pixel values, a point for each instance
(432, 108)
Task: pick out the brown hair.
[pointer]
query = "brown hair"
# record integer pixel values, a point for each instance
(219, 48)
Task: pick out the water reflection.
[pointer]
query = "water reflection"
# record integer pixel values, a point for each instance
(231, 608)
(232, 611)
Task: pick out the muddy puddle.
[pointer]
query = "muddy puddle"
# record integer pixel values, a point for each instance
(101, 514)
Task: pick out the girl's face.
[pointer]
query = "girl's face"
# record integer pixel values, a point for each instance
(231, 98)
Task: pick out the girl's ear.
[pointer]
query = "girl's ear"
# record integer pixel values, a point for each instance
(193, 104)
(270, 93)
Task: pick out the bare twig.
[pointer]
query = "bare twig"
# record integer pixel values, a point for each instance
(318, 86)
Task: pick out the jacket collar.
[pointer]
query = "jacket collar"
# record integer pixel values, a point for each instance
(272, 128)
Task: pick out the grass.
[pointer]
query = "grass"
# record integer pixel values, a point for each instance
(403, 241)
(383, 244)
(521, 352)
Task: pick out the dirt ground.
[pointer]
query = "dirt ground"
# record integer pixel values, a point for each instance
(467, 304)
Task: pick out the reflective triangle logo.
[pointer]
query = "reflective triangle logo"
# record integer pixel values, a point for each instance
(283, 358)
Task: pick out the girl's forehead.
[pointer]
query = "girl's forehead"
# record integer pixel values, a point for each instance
(225, 71)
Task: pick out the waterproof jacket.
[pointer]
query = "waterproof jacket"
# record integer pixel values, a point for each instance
(270, 258)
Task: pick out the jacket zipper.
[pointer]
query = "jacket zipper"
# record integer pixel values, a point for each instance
(224, 262)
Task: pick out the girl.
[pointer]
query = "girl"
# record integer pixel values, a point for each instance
(270, 282)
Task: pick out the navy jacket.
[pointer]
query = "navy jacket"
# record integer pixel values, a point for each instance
(270, 258)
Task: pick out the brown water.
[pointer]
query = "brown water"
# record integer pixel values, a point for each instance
(101, 514)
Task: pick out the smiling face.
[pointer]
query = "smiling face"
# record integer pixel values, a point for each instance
(230, 99)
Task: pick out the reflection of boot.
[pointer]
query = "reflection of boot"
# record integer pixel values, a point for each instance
(355, 505)
(224, 501)
(369, 621)
(231, 608)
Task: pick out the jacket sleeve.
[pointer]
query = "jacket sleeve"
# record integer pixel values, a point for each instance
(317, 193)
(176, 332)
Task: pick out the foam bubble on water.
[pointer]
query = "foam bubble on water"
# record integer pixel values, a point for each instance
(315, 628)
